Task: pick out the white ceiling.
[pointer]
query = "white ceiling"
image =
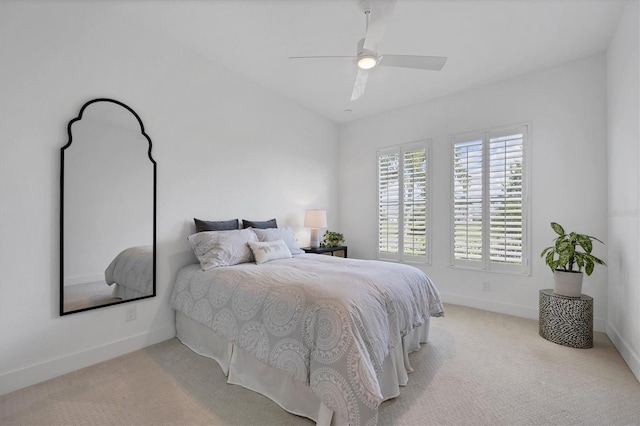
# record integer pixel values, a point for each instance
(485, 41)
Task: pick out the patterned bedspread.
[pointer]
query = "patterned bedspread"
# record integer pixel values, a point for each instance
(132, 268)
(327, 321)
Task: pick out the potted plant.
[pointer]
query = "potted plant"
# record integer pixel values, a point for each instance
(570, 254)
(332, 239)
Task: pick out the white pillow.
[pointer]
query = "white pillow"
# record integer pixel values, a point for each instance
(222, 248)
(285, 234)
(270, 250)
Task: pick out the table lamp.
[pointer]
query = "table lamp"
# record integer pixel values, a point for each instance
(315, 219)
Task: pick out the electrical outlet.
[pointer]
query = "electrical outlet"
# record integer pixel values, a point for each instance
(486, 286)
(130, 313)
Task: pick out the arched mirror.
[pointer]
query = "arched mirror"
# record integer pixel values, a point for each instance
(107, 209)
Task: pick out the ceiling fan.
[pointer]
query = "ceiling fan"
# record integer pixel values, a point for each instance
(378, 13)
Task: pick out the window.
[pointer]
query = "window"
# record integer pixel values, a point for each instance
(403, 179)
(488, 206)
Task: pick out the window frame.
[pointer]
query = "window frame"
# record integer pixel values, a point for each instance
(401, 149)
(485, 263)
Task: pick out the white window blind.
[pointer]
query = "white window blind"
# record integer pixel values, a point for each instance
(488, 200)
(389, 203)
(403, 202)
(467, 200)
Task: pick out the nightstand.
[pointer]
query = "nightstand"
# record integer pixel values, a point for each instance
(567, 321)
(340, 251)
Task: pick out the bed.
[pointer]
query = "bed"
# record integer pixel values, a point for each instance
(324, 337)
(131, 273)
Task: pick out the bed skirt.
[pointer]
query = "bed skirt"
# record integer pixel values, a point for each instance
(125, 293)
(242, 368)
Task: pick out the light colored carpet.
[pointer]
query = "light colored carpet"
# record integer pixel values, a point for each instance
(479, 368)
(82, 296)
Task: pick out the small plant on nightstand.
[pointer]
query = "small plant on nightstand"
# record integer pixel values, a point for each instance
(332, 239)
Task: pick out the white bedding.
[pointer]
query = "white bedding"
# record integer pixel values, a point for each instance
(132, 271)
(329, 323)
(245, 370)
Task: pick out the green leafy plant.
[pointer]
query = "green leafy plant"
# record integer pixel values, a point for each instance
(565, 253)
(332, 239)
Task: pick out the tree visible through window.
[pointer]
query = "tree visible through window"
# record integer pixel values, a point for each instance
(403, 202)
(488, 195)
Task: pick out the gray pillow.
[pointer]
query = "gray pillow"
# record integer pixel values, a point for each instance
(259, 224)
(220, 225)
(285, 234)
(222, 248)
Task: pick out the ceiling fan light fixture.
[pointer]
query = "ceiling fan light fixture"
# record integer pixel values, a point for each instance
(366, 62)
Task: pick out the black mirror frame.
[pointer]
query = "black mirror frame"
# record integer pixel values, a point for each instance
(68, 144)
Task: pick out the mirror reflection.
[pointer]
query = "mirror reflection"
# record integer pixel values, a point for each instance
(107, 209)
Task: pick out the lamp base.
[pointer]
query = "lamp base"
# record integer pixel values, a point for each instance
(315, 238)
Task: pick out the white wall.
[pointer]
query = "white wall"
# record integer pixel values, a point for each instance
(225, 149)
(623, 81)
(566, 107)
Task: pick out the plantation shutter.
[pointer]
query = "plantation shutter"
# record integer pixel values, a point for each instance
(403, 203)
(488, 200)
(467, 200)
(505, 198)
(415, 202)
(388, 203)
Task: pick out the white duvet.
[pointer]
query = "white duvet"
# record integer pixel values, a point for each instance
(329, 322)
(132, 268)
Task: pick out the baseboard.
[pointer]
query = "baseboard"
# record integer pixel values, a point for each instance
(504, 308)
(18, 379)
(628, 354)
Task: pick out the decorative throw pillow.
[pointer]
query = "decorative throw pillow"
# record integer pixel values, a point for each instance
(271, 250)
(259, 224)
(222, 248)
(285, 234)
(220, 225)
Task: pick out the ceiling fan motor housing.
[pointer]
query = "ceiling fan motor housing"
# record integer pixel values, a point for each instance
(365, 58)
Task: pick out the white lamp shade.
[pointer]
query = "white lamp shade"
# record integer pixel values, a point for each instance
(315, 219)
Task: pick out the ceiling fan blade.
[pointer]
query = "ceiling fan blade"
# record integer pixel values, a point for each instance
(320, 57)
(360, 84)
(433, 63)
(378, 20)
